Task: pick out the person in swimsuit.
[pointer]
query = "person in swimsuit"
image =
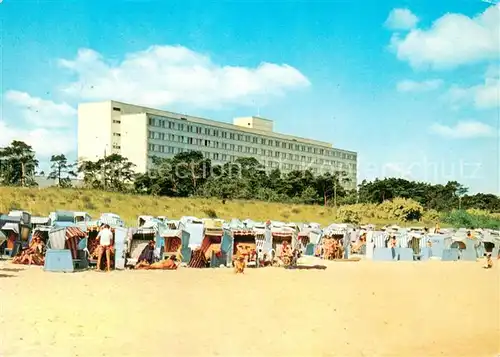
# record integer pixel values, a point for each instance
(168, 264)
(105, 237)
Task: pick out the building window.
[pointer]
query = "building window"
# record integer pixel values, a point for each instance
(283, 145)
(240, 148)
(247, 138)
(117, 109)
(207, 143)
(171, 125)
(150, 134)
(231, 147)
(190, 141)
(254, 140)
(247, 149)
(276, 154)
(263, 141)
(117, 134)
(216, 143)
(116, 121)
(231, 136)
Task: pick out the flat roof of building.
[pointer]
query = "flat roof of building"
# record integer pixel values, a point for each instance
(219, 124)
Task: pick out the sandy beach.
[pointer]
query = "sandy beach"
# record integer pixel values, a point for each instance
(350, 309)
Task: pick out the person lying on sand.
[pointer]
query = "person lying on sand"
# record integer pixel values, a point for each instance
(167, 264)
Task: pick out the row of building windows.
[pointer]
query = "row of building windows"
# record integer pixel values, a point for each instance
(222, 145)
(189, 128)
(225, 157)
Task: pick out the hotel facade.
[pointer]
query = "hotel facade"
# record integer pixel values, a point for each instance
(140, 133)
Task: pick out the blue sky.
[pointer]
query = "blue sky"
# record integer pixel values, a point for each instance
(412, 86)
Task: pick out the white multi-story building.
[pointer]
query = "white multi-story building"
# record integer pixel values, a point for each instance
(140, 133)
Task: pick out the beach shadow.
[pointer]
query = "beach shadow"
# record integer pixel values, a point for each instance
(12, 270)
(7, 276)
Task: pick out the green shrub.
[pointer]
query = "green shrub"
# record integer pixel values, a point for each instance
(471, 219)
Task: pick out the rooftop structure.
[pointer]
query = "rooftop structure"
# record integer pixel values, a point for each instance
(140, 133)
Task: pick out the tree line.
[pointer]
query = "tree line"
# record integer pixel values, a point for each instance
(190, 174)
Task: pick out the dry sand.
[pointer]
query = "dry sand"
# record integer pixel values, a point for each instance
(351, 309)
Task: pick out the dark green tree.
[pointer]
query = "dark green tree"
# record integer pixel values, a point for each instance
(18, 164)
(62, 171)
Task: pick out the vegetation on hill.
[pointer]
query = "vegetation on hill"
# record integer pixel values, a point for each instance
(189, 184)
(129, 206)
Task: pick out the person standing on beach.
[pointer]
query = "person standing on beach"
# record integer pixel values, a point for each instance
(105, 236)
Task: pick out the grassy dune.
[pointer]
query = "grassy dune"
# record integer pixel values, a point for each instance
(43, 201)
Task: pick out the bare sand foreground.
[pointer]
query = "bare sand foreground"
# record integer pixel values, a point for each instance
(351, 309)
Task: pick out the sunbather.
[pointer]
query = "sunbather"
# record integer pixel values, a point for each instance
(168, 264)
(34, 254)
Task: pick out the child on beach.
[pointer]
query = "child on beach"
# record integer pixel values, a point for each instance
(489, 261)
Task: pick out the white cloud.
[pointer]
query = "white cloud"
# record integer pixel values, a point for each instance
(47, 126)
(45, 142)
(482, 96)
(452, 40)
(424, 86)
(464, 130)
(41, 112)
(401, 19)
(164, 75)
